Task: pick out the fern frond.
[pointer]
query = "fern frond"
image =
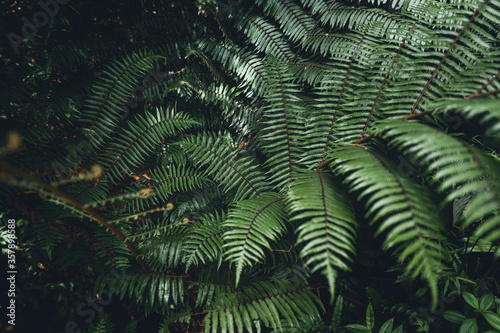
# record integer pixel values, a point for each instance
(134, 144)
(455, 164)
(380, 68)
(252, 223)
(343, 117)
(152, 292)
(283, 250)
(56, 205)
(283, 119)
(115, 253)
(47, 238)
(87, 193)
(248, 66)
(140, 213)
(405, 209)
(214, 154)
(164, 253)
(172, 179)
(209, 199)
(293, 20)
(204, 242)
(264, 35)
(266, 302)
(150, 229)
(106, 108)
(344, 15)
(238, 113)
(328, 226)
(486, 111)
(103, 325)
(214, 283)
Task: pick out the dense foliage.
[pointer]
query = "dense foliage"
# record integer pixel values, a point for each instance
(266, 165)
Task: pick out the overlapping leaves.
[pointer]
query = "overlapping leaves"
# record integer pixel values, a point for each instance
(327, 226)
(455, 164)
(252, 223)
(405, 210)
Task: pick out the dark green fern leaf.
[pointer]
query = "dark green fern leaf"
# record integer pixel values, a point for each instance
(266, 302)
(217, 155)
(204, 243)
(327, 226)
(252, 223)
(406, 211)
(455, 164)
(107, 106)
(168, 181)
(103, 325)
(136, 142)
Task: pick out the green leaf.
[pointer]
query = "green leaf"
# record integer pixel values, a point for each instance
(486, 302)
(214, 154)
(485, 110)
(454, 316)
(252, 224)
(337, 312)
(328, 225)
(173, 179)
(357, 328)
(469, 326)
(398, 329)
(387, 326)
(455, 164)
(204, 242)
(493, 319)
(137, 140)
(111, 92)
(471, 299)
(463, 279)
(259, 302)
(370, 317)
(284, 122)
(405, 209)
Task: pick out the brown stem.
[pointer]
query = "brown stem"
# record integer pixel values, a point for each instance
(485, 85)
(476, 95)
(364, 139)
(418, 115)
(32, 179)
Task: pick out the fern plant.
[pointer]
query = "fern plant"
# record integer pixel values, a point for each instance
(246, 165)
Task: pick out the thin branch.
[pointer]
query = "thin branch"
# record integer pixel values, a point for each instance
(365, 139)
(33, 180)
(476, 95)
(418, 115)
